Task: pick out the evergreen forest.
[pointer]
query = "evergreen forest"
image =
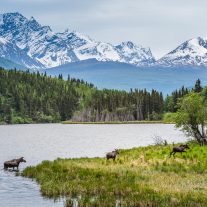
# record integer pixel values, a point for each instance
(27, 97)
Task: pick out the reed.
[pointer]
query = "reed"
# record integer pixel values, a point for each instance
(143, 176)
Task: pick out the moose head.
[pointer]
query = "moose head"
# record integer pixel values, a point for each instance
(22, 160)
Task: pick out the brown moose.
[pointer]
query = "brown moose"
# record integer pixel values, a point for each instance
(13, 163)
(112, 154)
(181, 149)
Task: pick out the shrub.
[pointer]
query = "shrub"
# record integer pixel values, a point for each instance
(158, 140)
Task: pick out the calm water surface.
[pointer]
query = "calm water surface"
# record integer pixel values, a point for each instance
(38, 142)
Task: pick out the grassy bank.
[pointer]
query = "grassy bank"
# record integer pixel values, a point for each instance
(143, 176)
(114, 122)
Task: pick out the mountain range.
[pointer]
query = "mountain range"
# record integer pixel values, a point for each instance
(26, 42)
(124, 66)
(49, 49)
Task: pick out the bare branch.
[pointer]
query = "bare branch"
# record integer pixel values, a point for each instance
(158, 140)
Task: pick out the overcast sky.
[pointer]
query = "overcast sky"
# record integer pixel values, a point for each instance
(161, 25)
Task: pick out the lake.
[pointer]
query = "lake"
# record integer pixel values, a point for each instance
(38, 142)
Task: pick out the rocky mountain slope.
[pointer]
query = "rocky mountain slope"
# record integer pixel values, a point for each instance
(14, 53)
(28, 43)
(54, 49)
(192, 53)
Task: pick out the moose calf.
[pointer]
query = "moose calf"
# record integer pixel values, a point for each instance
(112, 154)
(181, 149)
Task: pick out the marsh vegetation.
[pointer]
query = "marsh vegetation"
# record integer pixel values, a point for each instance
(143, 176)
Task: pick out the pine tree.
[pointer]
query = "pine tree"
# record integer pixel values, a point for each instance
(198, 87)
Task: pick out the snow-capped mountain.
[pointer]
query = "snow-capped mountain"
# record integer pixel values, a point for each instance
(86, 48)
(14, 53)
(54, 49)
(135, 54)
(40, 43)
(191, 53)
(28, 43)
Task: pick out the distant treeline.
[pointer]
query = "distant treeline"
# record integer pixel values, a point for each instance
(33, 97)
(114, 105)
(171, 101)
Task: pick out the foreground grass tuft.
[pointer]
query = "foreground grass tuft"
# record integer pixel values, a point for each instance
(143, 176)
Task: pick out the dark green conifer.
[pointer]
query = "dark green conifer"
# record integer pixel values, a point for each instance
(198, 87)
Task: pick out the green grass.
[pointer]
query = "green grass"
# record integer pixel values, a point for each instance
(143, 176)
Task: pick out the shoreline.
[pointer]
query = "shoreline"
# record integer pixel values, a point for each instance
(138, 177)
(113, 122)
(123, 122)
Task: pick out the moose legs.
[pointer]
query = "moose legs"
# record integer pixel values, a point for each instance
(175, 152)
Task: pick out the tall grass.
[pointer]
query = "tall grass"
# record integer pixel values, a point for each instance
(143, 176)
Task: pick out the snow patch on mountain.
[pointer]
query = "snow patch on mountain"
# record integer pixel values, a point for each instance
(191, 53)
(86, 48)
(14, 53)
(53, 49)
(36, 46)
(100, 51)
(134, 54)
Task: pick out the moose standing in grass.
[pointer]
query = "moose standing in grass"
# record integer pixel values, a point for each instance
(181, 149)
(112, 154)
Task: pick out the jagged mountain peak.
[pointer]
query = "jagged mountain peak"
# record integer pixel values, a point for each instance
(53, 49)
(190, 53)
(33, 25)
(129, 44)
(135, 54)
(14, 23)
(12, 15)
(71, 36)
(133, 47)
(196, 46)
(32, 18)
(14, 19)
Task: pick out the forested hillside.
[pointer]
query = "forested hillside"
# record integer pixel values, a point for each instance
(114, 105)
(33, 97)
